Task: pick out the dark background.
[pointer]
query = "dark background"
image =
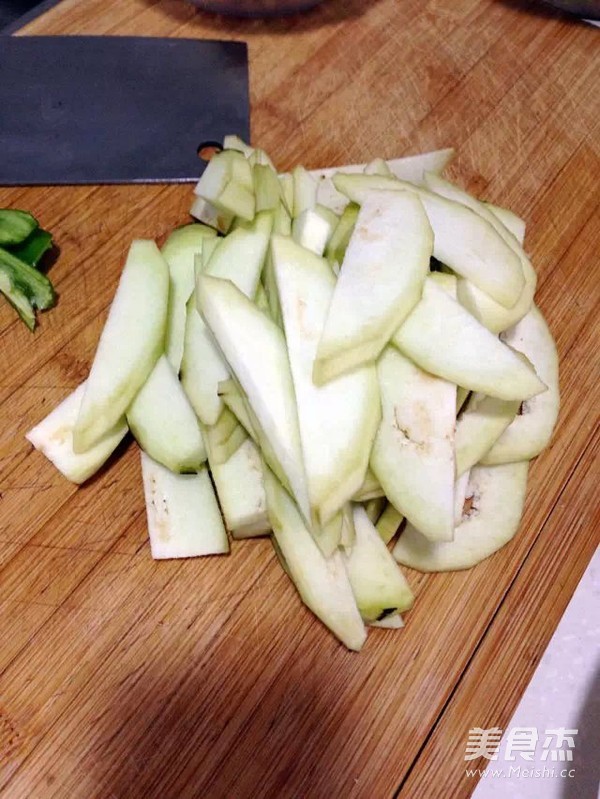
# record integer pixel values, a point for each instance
(12, 10)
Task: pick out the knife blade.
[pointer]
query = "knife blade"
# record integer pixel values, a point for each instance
(95, 109)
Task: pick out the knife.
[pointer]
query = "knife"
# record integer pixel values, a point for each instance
(95, 109)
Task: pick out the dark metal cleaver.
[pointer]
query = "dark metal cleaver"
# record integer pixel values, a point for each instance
(116, 109)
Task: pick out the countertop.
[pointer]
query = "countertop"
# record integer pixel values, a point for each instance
(121, 677)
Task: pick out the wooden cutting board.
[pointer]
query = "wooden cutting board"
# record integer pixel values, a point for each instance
(121, 677)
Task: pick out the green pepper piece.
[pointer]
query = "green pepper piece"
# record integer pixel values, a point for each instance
(15, 226)
(33, 248)
(24, 287)
(18, 300)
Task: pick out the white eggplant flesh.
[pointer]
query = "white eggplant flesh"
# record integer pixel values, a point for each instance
(210, 215)
(255, 349)
(462, 239)
(379, 586)
(305, 191)
(380, 282)
(531, 429)
(413, 453)
(322, 583)
(241, 491)
(183, 516)
(337, 421)
(282, 221)
(411, 167)
(238, 404)
(444, 188)
(130, 344)
(261, 158)
(202, 367)
(489, 312)
(340, 238)
(388, 523)
(479, 425)
(460, 496)
(444, 339)
(462, 395)
(497, 497)
(180, 251)
(239, 258)
(223, 168)
(374, 508)
(267, 188)
(286, 182)
(53, 437)
(392, 622)
(227, 184)
(370, 488)
(509, 219)
(378, 167)
(233, 142)
(329, 536)
(348, 533)
(313, 229)
(224, 438)
(164, 423)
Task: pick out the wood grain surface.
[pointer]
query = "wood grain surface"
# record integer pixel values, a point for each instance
(125, 678)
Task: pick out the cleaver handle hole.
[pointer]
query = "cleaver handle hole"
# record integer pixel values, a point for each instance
(207, 149)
